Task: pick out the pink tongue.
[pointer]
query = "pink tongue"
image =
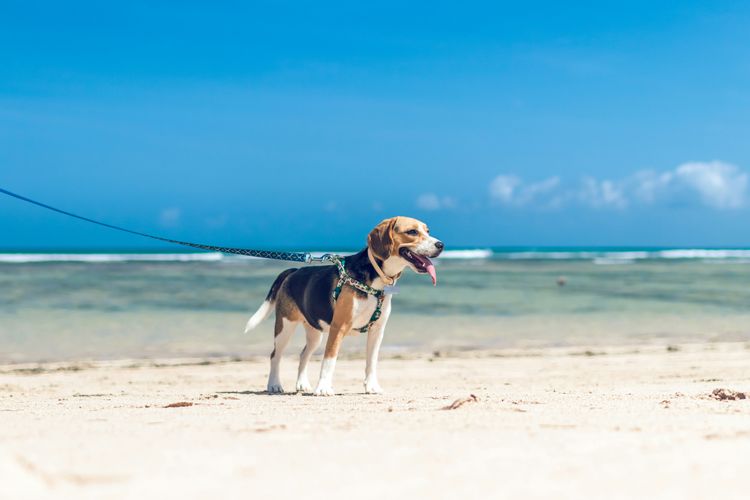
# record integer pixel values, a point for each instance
(431, 270)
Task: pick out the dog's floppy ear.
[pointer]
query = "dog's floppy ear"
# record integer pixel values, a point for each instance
(380, 240)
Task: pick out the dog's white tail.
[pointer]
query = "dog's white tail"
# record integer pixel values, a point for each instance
(262, 313)
(265, 309)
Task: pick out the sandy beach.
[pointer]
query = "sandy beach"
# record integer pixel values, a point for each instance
(618, 422)
(530, 218)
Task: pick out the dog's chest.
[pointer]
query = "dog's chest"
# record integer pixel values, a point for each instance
(359, 312)
(362, 311)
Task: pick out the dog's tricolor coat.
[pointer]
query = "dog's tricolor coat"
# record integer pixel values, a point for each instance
(304, 296)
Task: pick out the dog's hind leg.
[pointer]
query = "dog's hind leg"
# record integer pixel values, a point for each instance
(283, 333)
(313, 341)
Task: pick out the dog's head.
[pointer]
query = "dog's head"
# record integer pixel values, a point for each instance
(405, 242)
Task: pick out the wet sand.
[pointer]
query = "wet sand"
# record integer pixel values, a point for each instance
(617, 422)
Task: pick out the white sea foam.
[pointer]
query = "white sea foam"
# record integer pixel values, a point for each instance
(627, 256)
(698, 253)
(597, 256)
(26, 258)
(546, 255)
(479, 253)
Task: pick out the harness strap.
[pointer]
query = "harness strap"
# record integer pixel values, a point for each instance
(346, 279)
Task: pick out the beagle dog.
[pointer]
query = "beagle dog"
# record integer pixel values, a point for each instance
(322, 300)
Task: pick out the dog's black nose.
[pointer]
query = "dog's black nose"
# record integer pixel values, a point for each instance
(439, 245)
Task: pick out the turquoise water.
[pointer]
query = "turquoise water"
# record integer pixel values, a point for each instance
(154, 305)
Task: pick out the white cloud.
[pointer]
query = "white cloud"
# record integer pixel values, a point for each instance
(428, 201)
(714, 184)
(536, 190)
(511, 190)
(503, 187)
(648, 186)
(170, 217)
(719, 185)
(431, 202)
(604, 193)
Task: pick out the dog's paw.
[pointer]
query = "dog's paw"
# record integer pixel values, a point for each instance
(275, 389)
(303, 385)
(323, 390)
(372, 387)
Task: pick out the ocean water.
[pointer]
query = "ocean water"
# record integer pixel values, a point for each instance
(62, 306)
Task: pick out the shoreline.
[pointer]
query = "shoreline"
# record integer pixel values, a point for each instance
(462, 352)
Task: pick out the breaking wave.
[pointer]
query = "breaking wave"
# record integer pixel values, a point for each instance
(597, 256)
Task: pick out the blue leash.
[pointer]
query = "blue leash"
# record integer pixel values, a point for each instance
(263, 254)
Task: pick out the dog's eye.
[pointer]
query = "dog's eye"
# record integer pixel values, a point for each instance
(412, 232)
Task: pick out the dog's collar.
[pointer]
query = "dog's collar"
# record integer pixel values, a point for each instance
(346, 279)
(388, 280)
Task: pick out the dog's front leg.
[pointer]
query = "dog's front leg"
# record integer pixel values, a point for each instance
(340, 326)
(374, 339)
(325, 384)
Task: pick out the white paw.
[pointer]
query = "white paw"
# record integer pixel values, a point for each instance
(323, 389)
(275, 388)
(303, 385)
(372, 387)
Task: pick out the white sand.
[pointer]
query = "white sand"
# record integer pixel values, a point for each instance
(548, 424)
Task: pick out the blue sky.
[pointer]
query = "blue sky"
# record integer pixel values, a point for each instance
(301, 124)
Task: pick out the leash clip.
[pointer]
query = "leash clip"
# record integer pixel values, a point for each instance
(326, 257)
